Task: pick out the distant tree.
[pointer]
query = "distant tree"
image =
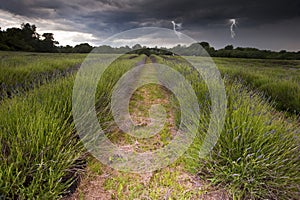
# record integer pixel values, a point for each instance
(29, 31)
(49, 43)
(123, 49)
(15, 39)
(48, 37)
(194, 50)
(105, 49)
(26, 38)
(205, 45)
(82, 48)
(229, 47)
(65, 49)
(137, 46)
(210, 50)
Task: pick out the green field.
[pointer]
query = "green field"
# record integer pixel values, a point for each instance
(22, 71)
(256, 156)
(279, 80)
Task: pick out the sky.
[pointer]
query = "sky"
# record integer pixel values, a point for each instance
(263, 24)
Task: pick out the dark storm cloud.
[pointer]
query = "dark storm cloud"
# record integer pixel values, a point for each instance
(256, 12)
(104, 17)
(31, 8)
(192, 12)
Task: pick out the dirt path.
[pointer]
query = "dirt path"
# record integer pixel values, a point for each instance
(173, 182)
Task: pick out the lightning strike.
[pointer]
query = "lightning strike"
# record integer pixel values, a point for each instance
(232, 26)
(175, 27)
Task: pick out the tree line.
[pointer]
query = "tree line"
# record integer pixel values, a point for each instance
(203, 49)
(26, 38)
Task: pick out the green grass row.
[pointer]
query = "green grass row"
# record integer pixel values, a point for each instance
(257, 154)
(278, 80)
(21, 71)
(256, 157)
(38, 144)
(41, 155)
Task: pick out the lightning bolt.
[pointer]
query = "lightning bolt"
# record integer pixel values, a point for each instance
(232, 26)
(175, 26)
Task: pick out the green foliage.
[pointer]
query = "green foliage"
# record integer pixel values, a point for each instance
(228, 47)
(204, 48)
(82, 48)
(41, 155)
(23, 71)
(257, 154)
(26, 39)
(278, 80)
(256, 157)
(39, 147)
(247, 52)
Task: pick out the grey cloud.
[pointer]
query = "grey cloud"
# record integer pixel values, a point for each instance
(106, 17)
